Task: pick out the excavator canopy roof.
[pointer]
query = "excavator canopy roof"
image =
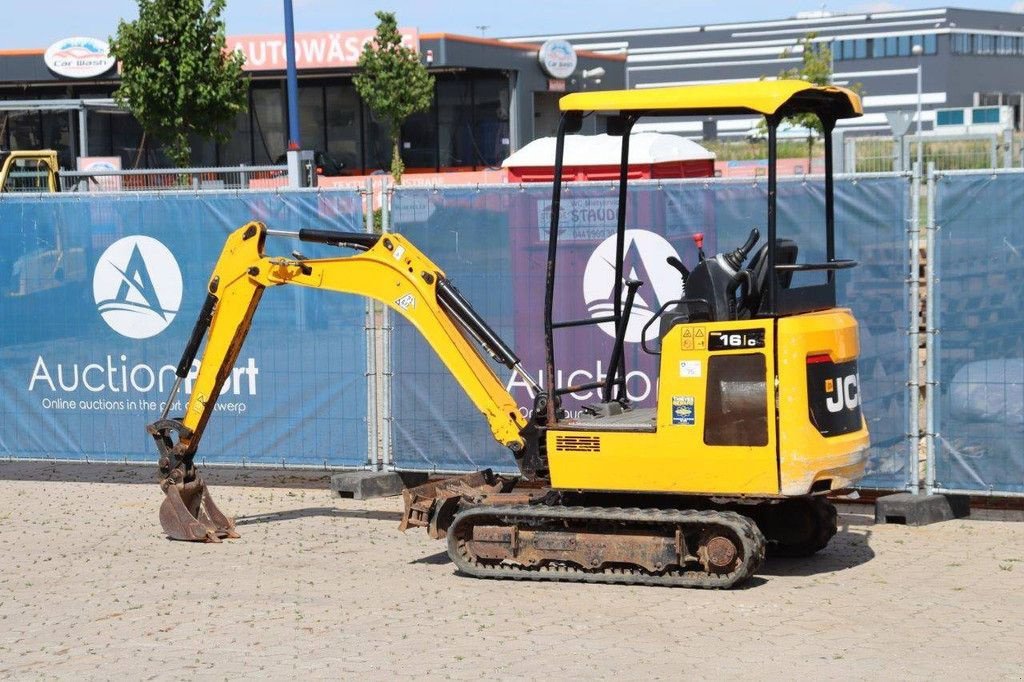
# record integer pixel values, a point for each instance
(783, 97)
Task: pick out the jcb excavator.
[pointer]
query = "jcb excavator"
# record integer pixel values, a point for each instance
(758, 413)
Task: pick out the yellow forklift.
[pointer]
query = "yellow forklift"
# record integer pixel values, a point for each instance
(29, 170)
(758, 411)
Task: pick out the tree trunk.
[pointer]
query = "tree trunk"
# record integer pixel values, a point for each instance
(810, 153)
(397, 167)
(142, 150)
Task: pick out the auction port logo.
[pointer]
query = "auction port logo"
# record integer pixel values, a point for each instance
(644, 259)
(137, 287)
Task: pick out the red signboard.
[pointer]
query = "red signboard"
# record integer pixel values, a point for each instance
(319, 50)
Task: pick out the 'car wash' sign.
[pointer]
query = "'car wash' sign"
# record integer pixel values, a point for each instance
(557, 58)
(312, 50)
(79, 57)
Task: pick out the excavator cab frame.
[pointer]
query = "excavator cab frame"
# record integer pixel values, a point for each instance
(774, 100)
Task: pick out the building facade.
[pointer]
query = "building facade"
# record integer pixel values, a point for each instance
(490, 98)
(968, 58)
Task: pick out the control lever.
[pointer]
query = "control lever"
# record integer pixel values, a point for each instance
(736, 258)
(698, 239)
(678, 265)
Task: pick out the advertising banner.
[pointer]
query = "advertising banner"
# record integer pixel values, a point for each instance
(492, 242)
(98, 296)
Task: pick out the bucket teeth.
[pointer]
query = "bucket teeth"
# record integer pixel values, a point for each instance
(189, 513)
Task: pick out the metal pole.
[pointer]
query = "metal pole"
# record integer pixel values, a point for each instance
(384, 331)
(931, 340)
(918, 50)
(913, 287)
(83, 132)
(293, 79)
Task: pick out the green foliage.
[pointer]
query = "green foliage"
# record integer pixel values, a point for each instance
(393, 83)
(176, 77)
(815, 69)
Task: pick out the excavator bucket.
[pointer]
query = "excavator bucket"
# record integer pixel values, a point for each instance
(189, 513)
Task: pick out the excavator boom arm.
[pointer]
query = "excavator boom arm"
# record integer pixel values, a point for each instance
(389, 269)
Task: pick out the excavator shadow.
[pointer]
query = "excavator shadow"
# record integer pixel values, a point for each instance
(433, 559)
(308, 512)
(849, 548)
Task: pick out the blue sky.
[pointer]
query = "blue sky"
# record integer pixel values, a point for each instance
(26, 27)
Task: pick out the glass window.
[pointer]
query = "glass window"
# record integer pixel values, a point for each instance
(490, 124)
(126, 142)
(343, 141)
(25, 130)
(837, 50)
(984, 44)
(311, 117)
(904, 46)
(878, 47)
(238, 148)
(949, 117)
(860, 48)
(890, 47)
(204, 151)
(99, 133)
(985, 115)
(848, 48)
(377, 136)
(419, 140)
(931, 44)
(268, 123)
(737, 401)
(454, 122)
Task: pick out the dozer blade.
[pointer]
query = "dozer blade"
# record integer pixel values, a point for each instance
(189, 513)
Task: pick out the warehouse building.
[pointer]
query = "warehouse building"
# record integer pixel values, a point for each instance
(967, 58)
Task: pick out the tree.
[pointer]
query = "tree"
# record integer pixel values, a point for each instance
(817, 70)
(393, 83)
(176, 77)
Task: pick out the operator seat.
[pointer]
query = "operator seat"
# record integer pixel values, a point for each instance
(785, 254)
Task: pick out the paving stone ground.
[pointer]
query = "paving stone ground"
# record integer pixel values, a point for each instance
(321, 587)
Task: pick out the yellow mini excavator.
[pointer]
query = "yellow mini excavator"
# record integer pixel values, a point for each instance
(758, 411)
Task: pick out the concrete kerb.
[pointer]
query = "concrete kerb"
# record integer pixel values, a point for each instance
(920, 510)
(365, 485)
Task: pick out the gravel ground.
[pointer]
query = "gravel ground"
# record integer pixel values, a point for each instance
(322, 587)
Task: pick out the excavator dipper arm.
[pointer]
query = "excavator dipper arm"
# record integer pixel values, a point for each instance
(390, 270)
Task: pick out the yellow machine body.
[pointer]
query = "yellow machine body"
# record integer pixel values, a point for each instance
(729, 421)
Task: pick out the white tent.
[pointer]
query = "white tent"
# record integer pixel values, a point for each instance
(606, 150)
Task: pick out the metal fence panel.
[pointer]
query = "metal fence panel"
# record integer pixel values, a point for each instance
(978, 361)
(491, 241)
(99, 294)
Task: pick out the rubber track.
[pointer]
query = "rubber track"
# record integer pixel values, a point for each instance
(753, 545)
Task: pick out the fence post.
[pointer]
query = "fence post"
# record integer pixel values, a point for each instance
(914, 291)
(384, 401)
(850, 150)
(838, 147)
(931, 333)
(373, 450)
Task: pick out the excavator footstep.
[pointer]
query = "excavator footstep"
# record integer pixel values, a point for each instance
(189, 513)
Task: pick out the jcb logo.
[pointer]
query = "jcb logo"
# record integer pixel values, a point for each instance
(842, 393)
